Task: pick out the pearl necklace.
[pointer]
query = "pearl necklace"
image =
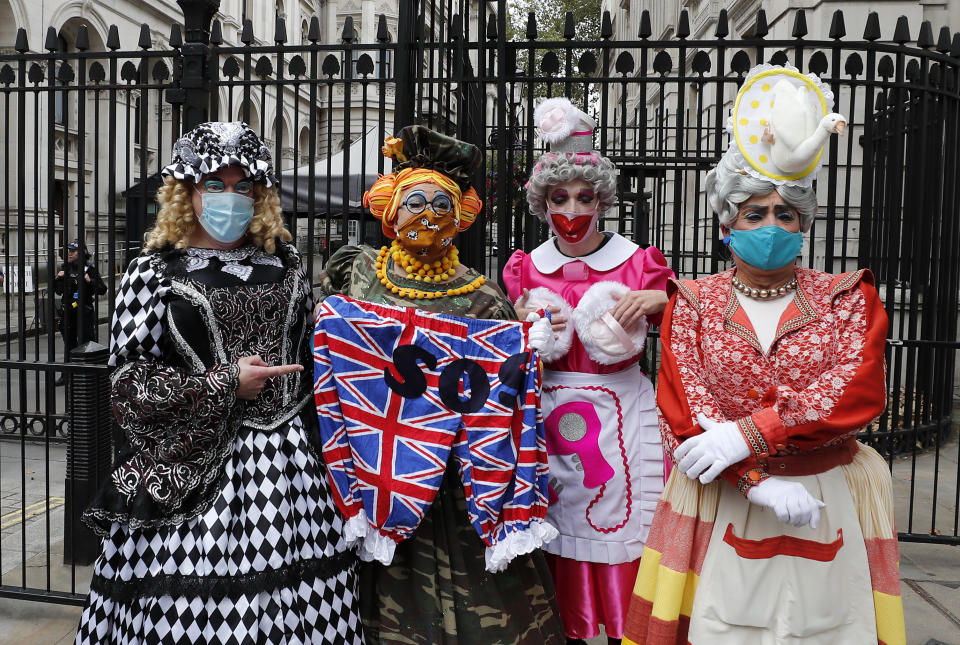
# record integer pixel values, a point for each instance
(763, 294)
(413, 292)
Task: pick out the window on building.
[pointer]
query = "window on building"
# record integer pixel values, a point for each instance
(384, 63)
(136, 120)
(248, 10)
(355, 58)
(60, 98)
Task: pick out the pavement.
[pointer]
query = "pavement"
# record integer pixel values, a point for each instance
(930, 573)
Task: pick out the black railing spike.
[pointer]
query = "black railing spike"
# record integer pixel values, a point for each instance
(925, 39)
(113, 38)
(569, 26)
(901, 35)
(383, 33)
(761, 30)
(837, 27)
(943, 42)
(492, 27)
(723, 28)
(144, 42)
(531, 33)
(872, 31)
(683, 27)
(606, 26)
(645, 29)
(313, 32)
(52, 43)
(83, 39)
(21, 45)
(176, 36)
(456, 27)
(280, 30)
(216, 34)
(347, 34)
(955, 46)
(800, 24)
(246, 34)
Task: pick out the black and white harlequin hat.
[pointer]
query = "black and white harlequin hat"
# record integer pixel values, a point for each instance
(212, 146)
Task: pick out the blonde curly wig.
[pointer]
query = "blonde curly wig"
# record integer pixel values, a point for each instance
(176, 219)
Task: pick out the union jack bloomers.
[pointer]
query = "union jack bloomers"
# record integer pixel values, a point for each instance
(397, 389)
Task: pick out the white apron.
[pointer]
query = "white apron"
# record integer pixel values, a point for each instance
(606, 463)
(811, 586)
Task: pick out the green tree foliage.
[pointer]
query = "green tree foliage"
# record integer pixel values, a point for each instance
(551, 19)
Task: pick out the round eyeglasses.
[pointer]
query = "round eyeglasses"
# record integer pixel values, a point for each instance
(416, 202)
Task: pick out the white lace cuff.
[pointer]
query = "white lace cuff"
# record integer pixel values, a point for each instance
(376, 547)
(500, 554)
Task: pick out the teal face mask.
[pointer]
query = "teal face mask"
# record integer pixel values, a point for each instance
(226, 216)
(767, 247)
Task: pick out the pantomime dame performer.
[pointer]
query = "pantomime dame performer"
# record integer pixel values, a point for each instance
(776, 525)
(605, 455)
(437, 586)
(218, 523)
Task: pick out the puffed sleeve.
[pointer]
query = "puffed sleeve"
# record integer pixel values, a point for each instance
(655, 275)
(512, 274)
(149, 397)
(138, 313)
(681, 392)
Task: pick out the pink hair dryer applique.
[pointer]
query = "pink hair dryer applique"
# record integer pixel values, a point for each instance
(573, 428)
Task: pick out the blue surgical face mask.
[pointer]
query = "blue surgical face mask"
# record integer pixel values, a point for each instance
(767, 247)
(226, 216)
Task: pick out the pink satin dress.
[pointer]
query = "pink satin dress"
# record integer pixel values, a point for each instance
(603, 440)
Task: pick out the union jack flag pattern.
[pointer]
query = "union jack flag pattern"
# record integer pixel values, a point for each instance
(397, 389)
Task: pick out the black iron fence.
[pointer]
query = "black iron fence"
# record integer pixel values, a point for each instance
(88, 123)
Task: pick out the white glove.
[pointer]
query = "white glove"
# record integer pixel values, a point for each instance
(541, 334)
(706, 455)
(789, 500)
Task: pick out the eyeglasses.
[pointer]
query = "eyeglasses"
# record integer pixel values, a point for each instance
(417, 202)
(217, 186)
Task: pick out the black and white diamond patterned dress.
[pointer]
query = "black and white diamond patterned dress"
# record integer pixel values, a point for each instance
(218, 524)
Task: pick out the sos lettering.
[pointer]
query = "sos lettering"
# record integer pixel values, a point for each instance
(406, 362)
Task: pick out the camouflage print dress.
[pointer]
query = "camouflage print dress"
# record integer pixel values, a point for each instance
(437, 591)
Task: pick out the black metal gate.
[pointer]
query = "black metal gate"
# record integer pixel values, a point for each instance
(88, 122)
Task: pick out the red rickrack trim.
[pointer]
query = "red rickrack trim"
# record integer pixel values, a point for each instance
(623, 455)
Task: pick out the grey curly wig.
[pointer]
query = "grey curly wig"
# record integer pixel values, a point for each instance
(727, 188)
(558, 167)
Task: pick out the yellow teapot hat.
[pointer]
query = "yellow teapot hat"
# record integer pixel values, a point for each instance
(780, 122)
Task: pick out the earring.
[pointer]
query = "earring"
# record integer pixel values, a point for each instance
(726, 240)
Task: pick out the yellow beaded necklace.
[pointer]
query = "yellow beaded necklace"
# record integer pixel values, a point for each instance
(437, 272)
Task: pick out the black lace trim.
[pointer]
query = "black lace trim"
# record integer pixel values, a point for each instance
(220, 587)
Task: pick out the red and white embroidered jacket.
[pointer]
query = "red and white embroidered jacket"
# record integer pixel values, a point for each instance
(821, 382)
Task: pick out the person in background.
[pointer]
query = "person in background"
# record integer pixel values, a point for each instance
(77, 283)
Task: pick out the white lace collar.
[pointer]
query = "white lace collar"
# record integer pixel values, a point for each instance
(199, 258)
(224, 255)
(547, 258)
